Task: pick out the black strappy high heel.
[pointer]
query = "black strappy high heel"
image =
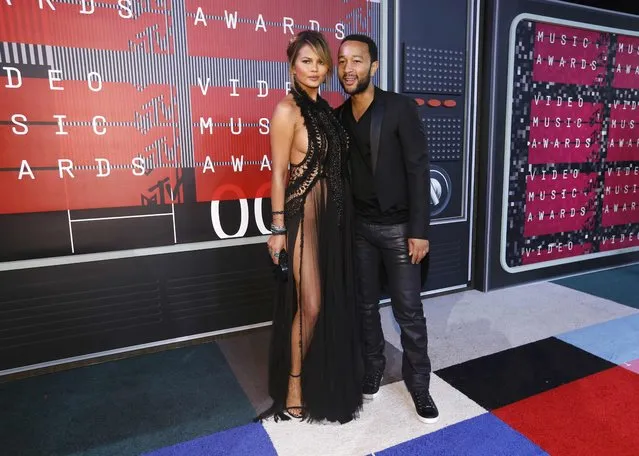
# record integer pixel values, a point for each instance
(301, 415)
(279, 411)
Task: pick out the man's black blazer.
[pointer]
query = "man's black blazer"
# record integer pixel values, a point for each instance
(399, 157)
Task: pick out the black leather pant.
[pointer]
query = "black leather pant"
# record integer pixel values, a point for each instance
(389, 244)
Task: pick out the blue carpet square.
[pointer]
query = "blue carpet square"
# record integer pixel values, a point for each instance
(619, 284)
(241, 441)
(485, 435)
(616, 341)
(123, 407)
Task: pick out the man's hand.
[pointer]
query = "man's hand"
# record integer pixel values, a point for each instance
(417, 249)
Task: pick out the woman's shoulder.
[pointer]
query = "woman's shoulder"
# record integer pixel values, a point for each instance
(286, 109)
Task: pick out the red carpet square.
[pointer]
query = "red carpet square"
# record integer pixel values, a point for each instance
(598, 414)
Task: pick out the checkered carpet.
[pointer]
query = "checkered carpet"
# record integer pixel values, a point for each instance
(548, 368)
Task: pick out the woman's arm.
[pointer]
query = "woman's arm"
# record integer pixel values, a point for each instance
(282, 134)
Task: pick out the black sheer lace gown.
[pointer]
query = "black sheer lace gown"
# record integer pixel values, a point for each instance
(320, 285)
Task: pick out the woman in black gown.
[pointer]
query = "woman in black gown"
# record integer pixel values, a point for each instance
(315, 364)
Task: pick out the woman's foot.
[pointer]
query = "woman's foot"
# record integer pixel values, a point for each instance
(294, 397)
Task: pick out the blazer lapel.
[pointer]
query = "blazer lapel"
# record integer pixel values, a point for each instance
(377, 116)
(346, 163)
(340, 110)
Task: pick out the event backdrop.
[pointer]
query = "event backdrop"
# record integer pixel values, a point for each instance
(135, 159)
(133, 124)
(571, 180)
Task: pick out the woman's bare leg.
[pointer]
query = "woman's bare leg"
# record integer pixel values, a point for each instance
(307, 282)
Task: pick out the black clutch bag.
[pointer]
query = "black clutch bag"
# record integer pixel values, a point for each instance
(281, 269)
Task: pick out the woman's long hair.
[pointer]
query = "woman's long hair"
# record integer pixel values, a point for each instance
(317, 42)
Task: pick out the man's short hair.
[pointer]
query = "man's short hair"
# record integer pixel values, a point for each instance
(372, 47)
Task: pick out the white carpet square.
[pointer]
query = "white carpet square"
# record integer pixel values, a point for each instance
(386, 421)
(471, 324)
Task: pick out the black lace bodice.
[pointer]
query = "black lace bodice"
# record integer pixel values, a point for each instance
(327, 146)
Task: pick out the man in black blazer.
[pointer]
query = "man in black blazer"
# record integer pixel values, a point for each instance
(388, 167)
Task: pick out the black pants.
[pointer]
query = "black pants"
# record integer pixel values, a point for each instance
(389, 244)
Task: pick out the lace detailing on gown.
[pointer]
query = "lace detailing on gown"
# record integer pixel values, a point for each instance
(315, 332)
(327, 146)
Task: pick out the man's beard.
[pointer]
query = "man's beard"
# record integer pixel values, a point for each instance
(360, 87)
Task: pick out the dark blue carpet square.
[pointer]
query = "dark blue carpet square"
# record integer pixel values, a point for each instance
(123, 407)
(240, 441)
(619, 285)
(485, 435)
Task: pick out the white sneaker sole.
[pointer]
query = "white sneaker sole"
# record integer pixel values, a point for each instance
(370, 397)
(427, 420)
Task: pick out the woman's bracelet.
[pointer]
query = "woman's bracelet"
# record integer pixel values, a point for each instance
(276, 229)
(277, 213)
